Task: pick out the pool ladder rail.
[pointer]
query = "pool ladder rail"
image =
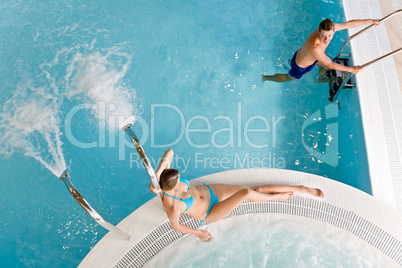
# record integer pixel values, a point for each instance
(337, 87)
(130, 132)
(65, 177)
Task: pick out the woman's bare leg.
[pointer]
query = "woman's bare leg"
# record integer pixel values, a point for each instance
(226, 205)
(288, 188)
(224, 191)
(231, 196)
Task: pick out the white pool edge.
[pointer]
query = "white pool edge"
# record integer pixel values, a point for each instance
(350, 209)
(380, 103)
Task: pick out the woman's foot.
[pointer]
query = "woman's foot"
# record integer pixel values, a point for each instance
(313, 191)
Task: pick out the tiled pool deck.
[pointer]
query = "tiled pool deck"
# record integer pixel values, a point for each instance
(380, 102)
(394, 30)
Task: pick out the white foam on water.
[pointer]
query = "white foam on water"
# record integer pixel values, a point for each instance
(97, 78)
(29, 121)
(268, 240)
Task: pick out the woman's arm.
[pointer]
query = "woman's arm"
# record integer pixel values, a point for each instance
(174, 215)
(165, 162)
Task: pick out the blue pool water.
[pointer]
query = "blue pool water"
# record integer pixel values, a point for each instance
(73, 72)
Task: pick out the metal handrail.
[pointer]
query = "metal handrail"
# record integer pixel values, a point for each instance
(361, 31)
(129, 130)
(362, 66)
(380, 58)
(65, 177)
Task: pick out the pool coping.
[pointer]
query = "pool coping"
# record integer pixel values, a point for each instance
(380, 103)
(343, 207)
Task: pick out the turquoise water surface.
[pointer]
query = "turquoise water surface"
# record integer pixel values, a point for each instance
(189, 75)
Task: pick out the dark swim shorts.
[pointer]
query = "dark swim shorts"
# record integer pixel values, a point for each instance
(298, 72)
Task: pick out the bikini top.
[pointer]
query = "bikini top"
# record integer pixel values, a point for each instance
(188, 201)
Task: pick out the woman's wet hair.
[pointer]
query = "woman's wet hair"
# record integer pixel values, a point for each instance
(326, 25)
(168, 179)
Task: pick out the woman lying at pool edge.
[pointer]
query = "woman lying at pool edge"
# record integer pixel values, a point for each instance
(211, 202)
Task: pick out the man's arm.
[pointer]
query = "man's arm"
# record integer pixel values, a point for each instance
(354, 23)
(324, 59)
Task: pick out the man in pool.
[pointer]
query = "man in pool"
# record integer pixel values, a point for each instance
(211, 202)
(313, 52)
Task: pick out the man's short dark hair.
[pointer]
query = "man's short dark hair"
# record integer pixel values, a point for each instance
(326, 25)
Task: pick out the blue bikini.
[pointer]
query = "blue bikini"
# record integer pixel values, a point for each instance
(190, 201)
(214, 200)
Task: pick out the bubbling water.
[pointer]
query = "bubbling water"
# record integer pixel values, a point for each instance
(30, 119)
(268, 240)
(28, 122)
(98, 78)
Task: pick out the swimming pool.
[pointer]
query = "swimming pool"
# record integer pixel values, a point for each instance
(189, 73)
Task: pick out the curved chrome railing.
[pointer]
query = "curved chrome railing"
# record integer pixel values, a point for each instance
(88, 208)
(130, 132)
(368, 27)
(370, 62)
(364, 65)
